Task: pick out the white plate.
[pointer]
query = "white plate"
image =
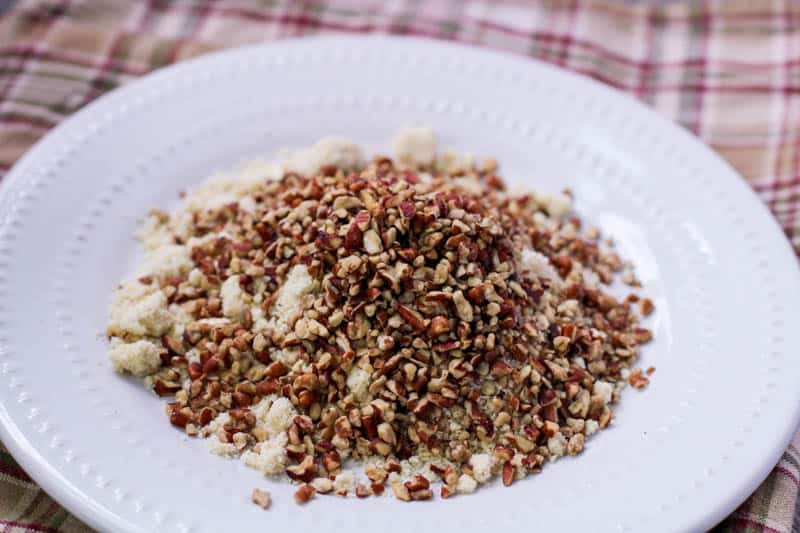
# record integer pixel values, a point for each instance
(723, 402)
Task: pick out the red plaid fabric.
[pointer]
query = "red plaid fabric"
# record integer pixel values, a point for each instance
(728, 70)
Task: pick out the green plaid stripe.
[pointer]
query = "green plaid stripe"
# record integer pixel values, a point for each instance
(693, 62)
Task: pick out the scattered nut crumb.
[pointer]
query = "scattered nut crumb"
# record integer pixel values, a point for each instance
(261, 498)
(646, 306)
(400, 491)
(304, 494)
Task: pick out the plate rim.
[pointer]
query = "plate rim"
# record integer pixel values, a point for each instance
(95, 514)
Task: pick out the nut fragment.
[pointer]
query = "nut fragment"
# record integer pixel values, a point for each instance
(422, 494)
(400, 491)
(575, 444)
(637, 380)
(375, 473)
(463, 307)
(372, 242)
(261, 498)
(419, 482)
(508, 473)
(439, 326)
(304, 494)
(322, 485)
(377, 487)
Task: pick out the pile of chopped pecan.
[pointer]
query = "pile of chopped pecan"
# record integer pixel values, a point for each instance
(449, 330)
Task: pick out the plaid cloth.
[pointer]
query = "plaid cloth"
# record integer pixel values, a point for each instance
(728, 70)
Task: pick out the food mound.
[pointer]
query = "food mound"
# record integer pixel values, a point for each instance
(409, 314)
